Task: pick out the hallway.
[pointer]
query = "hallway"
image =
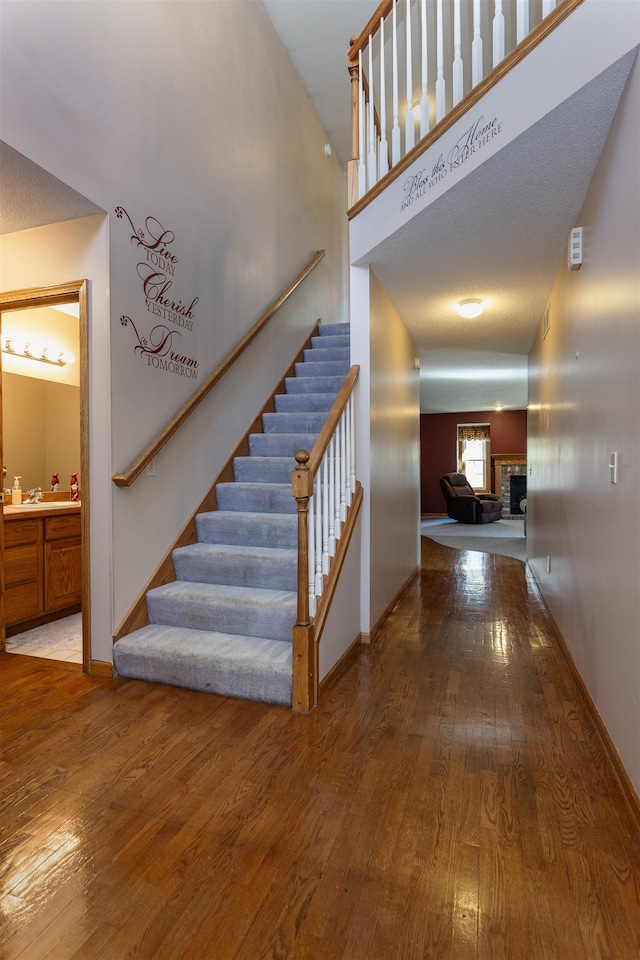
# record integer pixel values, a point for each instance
(448, 799)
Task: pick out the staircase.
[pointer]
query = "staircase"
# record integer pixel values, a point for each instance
(224, 625)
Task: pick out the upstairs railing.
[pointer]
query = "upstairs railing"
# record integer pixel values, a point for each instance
(328, 496)
(417, 60)
(135, 468)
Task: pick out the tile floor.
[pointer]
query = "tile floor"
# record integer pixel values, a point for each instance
(60, 640)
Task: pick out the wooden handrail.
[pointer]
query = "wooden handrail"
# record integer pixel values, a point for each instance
(135, 468)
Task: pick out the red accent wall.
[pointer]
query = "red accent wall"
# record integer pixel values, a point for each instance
(438, 437)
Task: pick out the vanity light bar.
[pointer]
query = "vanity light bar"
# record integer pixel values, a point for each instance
(28, 353)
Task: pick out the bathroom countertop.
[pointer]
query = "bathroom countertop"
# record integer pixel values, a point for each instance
(44, 508)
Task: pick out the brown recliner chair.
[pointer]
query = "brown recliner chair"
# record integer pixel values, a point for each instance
(467, 506)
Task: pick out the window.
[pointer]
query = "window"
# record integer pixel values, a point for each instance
(473, 455)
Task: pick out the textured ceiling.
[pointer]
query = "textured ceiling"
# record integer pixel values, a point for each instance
(31, 197)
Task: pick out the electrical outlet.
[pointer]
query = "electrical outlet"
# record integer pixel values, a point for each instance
(548, 564)
(151, 468)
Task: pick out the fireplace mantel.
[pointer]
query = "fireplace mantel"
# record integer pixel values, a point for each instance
(504, 463)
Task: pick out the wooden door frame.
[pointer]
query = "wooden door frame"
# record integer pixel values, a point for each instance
(78, 291)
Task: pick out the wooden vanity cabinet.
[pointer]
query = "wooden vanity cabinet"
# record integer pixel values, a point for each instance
(62, 562)
(42, 567)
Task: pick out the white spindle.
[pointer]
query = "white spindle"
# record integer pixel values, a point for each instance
(522, 20)
(343, 471)
(547, 7)
(318, 536)
(352, 414)
(372, 171)
(311, 557)
(458, 69)
(424, 99)
(325, 515)
(337, 520)
(332, 496)
(362, 170)
(440, 82)
(395, 130)
(477, 71)
(409, 125)
(498, 34)
(383, 162)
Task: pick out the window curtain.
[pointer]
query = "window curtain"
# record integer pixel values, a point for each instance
(474, 432)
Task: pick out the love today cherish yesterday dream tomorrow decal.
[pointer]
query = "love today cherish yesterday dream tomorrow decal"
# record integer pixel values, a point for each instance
(156, 268)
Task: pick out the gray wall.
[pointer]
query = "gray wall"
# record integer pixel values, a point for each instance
(585, 403)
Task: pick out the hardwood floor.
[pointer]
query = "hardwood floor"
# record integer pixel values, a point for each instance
(448, 799)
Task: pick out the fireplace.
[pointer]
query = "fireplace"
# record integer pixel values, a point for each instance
(517, 492)
(508, 466)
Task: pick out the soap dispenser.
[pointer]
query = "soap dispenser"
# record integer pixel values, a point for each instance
(16, 493)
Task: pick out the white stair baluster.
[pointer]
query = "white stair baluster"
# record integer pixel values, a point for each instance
(362, 119)
(325, 514)
(352, 413)
(424, 99)
(372, 172)
(440, 82)
(547, 7)
(318, 535)
(522, 20)
(409, 124)
(477, 70)
(332, 497)
(383, 161)
(347, 424)
(498, 34)
(311, 557)
(337, 521)
(395, 130)
(343, 470)
(458, 68)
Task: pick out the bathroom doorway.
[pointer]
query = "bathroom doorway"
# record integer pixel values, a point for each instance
(44, 543)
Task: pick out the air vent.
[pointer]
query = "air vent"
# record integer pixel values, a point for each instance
(575, 249)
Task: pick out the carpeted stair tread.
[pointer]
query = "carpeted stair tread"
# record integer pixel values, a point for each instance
(332, 340)
(248, 529)
(304, 402)
(327, 384)
(280, 444)
(231, 665)
(327, 354)
(273, 568)
(296, 422)
(334, 368)
(249, 611)
(241, 496)
(334, 329)
(263, 469)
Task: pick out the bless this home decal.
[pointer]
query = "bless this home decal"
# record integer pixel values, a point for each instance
(156, 271)
(479, 134)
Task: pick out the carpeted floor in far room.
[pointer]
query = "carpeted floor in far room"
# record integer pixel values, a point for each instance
(505, 537)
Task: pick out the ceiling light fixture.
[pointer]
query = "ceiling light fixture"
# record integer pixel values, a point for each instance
(470, 308)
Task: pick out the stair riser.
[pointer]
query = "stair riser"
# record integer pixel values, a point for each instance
(263, 469)
(331, 341)
(225, 616)
(332, 384)
(263, 573)
(308, 369)
(279, 445)
(293, 422)
(327, 354)
(255, 497)
(304, 402)
(334, 329)
(276, 531)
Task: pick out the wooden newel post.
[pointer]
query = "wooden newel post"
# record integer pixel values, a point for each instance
(352, 176)
(304, 696)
